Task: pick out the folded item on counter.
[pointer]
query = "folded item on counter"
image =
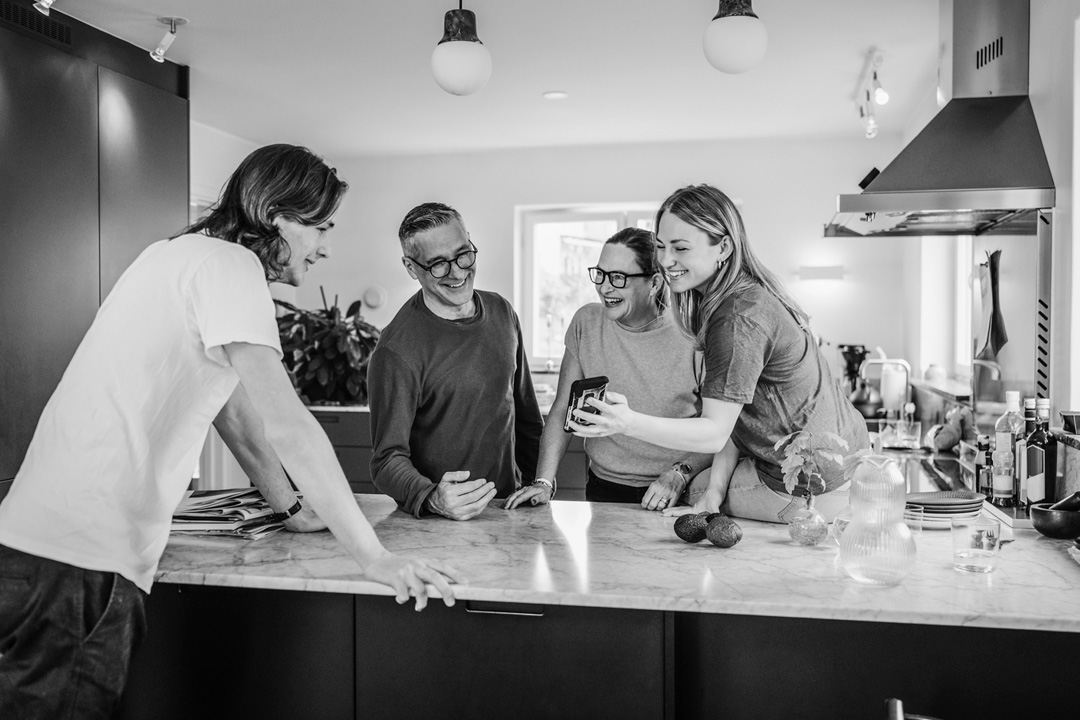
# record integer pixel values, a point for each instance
(236, 512)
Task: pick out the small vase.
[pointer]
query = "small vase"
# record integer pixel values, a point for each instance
(807, 526)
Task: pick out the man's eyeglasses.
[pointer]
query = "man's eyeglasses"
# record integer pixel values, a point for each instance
(441, 268)
(617, 279)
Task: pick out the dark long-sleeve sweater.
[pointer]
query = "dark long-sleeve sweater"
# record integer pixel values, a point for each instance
(448, 395)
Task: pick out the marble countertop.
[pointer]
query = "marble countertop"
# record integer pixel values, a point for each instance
(612, 555)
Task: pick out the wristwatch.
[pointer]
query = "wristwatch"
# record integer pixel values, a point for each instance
(286, 514)
(550, 484)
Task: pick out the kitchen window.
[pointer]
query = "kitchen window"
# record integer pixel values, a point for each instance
(558, 246)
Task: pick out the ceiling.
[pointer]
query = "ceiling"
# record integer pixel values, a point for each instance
(353, 78)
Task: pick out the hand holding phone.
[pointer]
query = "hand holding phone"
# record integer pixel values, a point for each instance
(580, 391)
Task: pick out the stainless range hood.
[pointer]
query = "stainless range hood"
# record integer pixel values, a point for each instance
(979, 166)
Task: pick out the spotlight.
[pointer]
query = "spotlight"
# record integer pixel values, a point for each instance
(880, 95)
(735, 40)
(158, 54)
(460, 62)
(42, 6)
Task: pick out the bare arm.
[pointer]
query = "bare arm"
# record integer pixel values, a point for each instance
(242, 430)
(707, 433)
(308, 457)
(553, 441)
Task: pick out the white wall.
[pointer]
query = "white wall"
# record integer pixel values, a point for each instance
(788, 189)
(1053, 95)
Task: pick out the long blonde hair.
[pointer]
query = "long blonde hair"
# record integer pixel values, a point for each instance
(713, 212)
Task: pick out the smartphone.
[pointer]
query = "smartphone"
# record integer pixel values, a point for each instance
(580, 391)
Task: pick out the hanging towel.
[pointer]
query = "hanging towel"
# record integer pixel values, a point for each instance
(992, 320)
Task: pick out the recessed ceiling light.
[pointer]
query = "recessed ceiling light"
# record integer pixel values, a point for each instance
(556, 95)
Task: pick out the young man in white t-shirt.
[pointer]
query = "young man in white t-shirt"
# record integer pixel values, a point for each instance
(186, 337)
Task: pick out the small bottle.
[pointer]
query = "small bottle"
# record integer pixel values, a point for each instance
(1009, 428)
(984, 475)
(1002, 481)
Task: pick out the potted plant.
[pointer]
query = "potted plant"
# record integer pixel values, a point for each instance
(806, 453)
(326, 352)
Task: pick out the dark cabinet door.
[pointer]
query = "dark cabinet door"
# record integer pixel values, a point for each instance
(144, 143)
(48, 228)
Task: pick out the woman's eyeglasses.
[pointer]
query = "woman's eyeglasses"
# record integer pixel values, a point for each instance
(441, 268)
(617, 279)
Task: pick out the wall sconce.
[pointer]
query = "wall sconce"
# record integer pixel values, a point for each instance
(869, 92)
(821, 272)
(460, 62)
(42, 6)
(735, 40)
(158, 54)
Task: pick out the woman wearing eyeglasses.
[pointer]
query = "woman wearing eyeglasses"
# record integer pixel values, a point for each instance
(630, 337)
(764, 374)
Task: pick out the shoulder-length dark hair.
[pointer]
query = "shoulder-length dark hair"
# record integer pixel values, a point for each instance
(285, 181)
(710, 210)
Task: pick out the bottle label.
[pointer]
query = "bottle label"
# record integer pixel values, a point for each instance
(1020, 469)
(1036, 474)
(1003, 482)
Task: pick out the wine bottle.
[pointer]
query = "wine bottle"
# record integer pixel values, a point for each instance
(1020, 453)
(1008, 429)
(1041, 452)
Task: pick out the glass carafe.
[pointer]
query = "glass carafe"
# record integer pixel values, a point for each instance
(877, 547)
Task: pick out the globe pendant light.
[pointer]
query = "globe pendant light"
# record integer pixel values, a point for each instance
(735, 40)
(460, 62)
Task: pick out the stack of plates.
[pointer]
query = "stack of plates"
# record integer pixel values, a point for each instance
(939, 508)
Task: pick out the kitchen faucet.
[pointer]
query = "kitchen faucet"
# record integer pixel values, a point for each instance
(898, 362)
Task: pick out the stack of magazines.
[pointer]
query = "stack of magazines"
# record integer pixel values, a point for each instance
(236, 512)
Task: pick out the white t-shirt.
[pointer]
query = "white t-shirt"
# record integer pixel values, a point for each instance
(115, 446)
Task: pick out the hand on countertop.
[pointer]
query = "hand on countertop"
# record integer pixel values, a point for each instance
(307, 520)
(459, 498)
(710, 502)
(665, 491)
(409, 576)
(536, 495)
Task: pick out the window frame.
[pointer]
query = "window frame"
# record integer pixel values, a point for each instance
(526, 219)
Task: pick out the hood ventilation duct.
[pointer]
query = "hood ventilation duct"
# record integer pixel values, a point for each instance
(978, 166)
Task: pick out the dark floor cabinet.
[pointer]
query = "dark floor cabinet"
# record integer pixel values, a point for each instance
(350, 434)
(94, 156)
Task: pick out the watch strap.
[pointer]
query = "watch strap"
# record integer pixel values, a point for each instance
(550, 484)
(286, 514)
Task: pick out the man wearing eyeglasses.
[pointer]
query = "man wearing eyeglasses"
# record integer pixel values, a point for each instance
(454, 419)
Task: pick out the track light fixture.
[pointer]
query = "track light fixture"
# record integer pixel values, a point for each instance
(42, 6)
(869, 92)
(735, 40)
(460, 62)
(158, 54)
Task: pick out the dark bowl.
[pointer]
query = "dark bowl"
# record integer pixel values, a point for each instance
(1057, 524)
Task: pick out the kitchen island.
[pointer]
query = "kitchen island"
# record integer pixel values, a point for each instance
(579, 609)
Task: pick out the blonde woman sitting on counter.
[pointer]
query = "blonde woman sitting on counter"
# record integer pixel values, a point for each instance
(630, 338)
(764, 374)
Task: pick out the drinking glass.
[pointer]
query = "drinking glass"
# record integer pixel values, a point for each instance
(976, 543)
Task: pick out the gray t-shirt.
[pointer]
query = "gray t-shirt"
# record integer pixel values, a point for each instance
(657, 370)
(756, 354)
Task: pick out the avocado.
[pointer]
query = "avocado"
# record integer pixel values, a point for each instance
(723, 532)
(691, 528)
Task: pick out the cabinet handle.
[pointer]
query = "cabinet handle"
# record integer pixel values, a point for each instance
(328, 419)
(501, 608)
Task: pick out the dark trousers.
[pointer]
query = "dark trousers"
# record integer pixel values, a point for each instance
(600, 490)
(66, 638)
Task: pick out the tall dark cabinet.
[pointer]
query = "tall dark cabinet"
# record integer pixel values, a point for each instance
(94, 157)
